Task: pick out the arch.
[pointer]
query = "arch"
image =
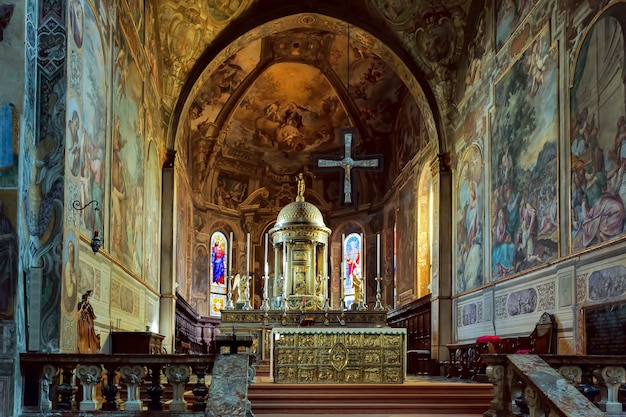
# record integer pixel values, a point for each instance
(235, 36)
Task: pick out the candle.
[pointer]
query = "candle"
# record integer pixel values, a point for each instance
(265, 259)
(230, 254)
(248, 254)
(343, 255)
(377, 254)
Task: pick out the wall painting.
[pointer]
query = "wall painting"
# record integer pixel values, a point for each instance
(469, 227)
(152, 218)
(598, 138)
(127, 167)
(524, 148)
(86, 125)
(509, 14)
(406, 241)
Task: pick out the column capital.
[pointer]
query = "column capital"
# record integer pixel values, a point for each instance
(442, 163)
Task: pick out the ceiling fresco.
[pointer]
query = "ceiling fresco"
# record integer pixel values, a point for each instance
(283, 98)
(277, 96)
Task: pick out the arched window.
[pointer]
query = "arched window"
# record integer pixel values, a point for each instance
(219, 251)
(353, 271)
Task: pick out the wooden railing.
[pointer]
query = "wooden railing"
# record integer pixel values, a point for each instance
(555, 385)
(131, 382)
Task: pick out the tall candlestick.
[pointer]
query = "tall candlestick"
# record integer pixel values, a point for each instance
(361, 255)
(230, 254)
(266, 271)
(377, 254)
(343, 255)
(285, 272)
(248, 255)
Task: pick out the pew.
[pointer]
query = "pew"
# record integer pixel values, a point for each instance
(466, 358)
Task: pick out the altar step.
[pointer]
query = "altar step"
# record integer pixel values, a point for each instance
(410, 399)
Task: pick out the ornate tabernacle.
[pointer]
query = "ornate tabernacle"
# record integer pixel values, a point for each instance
(300, 242)
(339, 355)
(296, 337)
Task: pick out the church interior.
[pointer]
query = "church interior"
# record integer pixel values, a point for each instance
(438, 172)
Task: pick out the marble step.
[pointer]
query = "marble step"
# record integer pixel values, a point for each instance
(428, 398)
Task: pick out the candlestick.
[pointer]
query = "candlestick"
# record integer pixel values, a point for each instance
(266, 269)
(377, 254)
(248, 254)
(230, 254)
(285, 270)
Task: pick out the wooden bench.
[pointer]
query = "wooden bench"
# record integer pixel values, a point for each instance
(466, 360)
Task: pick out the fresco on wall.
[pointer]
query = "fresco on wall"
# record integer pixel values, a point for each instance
(70, 274)
(598, 138)
(523, 147)
(409, 137)
(127, 161)
(200, 270)
(77, 25)
(86, 128)
(151, 47)
(607, 283)
(230, 191)
(470, 215)
(9, 150)
(137, 12)
(475, 51)
(8, 260)
(405, 234)
(509, 14)
(183, 236)
(153, 218)
(522, 302)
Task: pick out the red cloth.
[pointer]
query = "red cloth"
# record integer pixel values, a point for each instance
(487, 339)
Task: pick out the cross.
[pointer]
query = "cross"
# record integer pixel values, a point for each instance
(348, 163)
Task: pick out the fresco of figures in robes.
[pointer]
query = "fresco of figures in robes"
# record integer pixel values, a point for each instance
(127, 161)
(406, 239)
(524, 148)
(470, 214)
(86, 122)
(509, 14)
(598, 138)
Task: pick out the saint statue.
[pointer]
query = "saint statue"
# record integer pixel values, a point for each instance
(301, 185)
(88, 340)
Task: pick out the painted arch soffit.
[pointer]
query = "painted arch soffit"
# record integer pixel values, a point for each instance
(248, 50)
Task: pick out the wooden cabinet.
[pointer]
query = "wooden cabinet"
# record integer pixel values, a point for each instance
(137, 342)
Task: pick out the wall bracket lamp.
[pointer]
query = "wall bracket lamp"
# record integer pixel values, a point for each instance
(96, 240)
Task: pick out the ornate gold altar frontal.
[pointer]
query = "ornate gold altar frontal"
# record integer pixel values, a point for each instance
(339, 355)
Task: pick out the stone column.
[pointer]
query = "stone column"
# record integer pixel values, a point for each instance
(441, 305)
(167, 303)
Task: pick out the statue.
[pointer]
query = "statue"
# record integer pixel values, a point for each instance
(301, 185)
(88, 340)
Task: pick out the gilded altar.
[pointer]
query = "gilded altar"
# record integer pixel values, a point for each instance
(338, 355)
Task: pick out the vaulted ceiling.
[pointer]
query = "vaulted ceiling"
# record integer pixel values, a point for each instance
(272, 89)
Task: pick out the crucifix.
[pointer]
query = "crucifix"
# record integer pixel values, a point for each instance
(347, 162)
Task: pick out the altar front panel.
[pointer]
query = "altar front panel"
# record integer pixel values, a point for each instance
(339, 355)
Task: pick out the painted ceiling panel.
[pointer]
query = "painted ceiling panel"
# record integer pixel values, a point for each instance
(290, 111)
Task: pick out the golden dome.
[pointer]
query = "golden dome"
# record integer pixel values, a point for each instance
(300, 212)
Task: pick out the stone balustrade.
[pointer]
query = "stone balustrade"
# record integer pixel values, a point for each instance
(117, 382)
(555, 385)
